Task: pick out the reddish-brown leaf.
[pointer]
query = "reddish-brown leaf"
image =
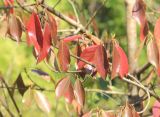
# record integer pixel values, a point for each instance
(15, 29)
(46, 43)
(34, 33)
(156, 109)
(72, 38)
(42, 101)
(79, 92)
(62, 87)
(119, 62)
(153, 56)
(88, 55)
(64, 56)
(8, 3)
(157, 30)
(78, 51)
(69, 94)
(138, 13)
(53, 27)
(101, 62)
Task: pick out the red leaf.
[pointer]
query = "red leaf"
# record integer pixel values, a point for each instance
(53, 27)
(62, 87)
(15, 29)
(138, 13)
(72, 38)
(64, 56)
(35, 36)
(69, 94)
(8, 3)
(42, 101)
(157, 30)
(119, 62)
(100, 61)
(88, 55)
(156, 109)
(79, 92)
(46, 43)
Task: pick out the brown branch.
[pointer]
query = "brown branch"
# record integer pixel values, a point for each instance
(143, 68)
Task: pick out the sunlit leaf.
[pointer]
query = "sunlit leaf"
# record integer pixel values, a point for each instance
(120, 62)
(64, 56)
(88, 55)
(79, 92)
(62, 87)
(15, 29)
(34, 33)
(69, 94)
(42, 101)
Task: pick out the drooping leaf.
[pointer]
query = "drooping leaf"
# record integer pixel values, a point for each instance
(101, 62)
(42, 101)
(78, 51)
(34, 33)
(53, 27)
(64, 56)
(153, 55)
(72, 38)
(43, 74)
(62, 87)
(69, 94)
(119, 62)
(88, 55)
(15, 29)
(79, 92)
(20, 85)
(46, 43)
(156, 109)
(28, 97)
(138, 13)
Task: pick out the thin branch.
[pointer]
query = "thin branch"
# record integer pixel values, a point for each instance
(142, 69)
(63, 17)
(105, 91)
(10, 94)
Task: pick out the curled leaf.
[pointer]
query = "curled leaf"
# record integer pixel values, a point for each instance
(15, 29)
(153, 55)
(79, 92)
(119, 62)
(64, 56)
(138, 13)
(42, 101)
